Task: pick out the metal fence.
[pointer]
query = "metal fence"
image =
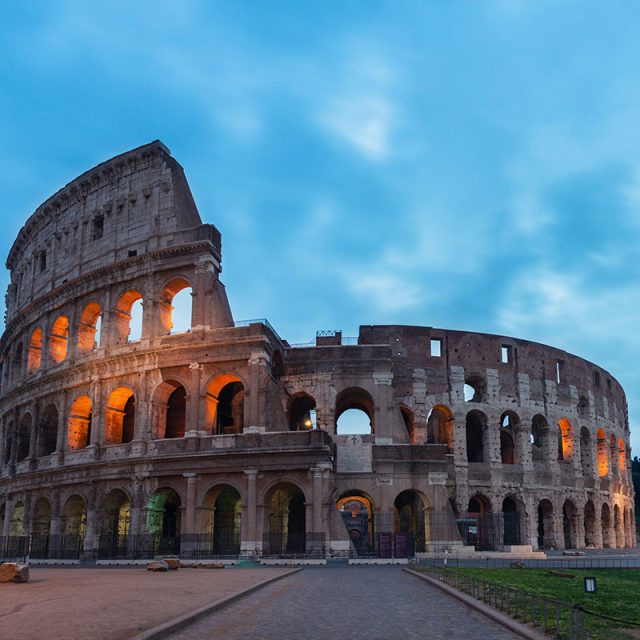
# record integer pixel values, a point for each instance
(555, 617)
(587, 562)
(293, 545)
(560, 620)
(41, 547)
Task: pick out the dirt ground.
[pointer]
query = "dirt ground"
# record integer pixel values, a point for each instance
(113, 603)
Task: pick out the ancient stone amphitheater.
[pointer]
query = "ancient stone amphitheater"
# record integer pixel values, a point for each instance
(225, 440)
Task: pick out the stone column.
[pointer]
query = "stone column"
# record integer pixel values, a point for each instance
(97, 415)
(316, 500)
(54, 526)
(384, 407)
(252, 411)
(8, 510)
(249, 545)
(190, 511)
(136, 498)
(193, 426)
(90, 537)
(62, 428)
(202, 283)
(34, 436)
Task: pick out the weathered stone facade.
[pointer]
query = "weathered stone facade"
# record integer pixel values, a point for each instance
(229, 432)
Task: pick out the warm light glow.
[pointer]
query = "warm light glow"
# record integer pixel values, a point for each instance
(79, 425)
(567, 438)
(622, 455)
(34, 354)
(58, 340)
(603, 460)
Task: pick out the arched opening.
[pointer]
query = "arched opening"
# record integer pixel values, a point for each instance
(627, 528)
(546, 525)
(176, 302)
(586, 452)
(285, 510)
(8, 442)
(164, 520)
(128, 316)
(601, 448)
(34, 354)
(479, 528)
(617, 527)
(73, 526)
(409, 423)
(169, 410)
(48, 439)
(511, 522)
(613, 453)
(24, 438)
(79, 426)
(605, 523)
(88, 338)
(409, 524)
(223, 508)
(176, 413)
(41, 521)
(508, 422)
(590, 525)
(114, 518)
(17, 362)
(475, 427)
(225, 405)
(539, 437)
(440, 426)
(356, 511)
(354, 412)
(120, 416)
(17, 524)
(569, 525)
(40, 528)
(565, 446)
(302, 413)
(475, 389)
(622, 456)
(59, 339)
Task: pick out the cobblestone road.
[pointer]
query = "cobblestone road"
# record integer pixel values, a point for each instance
(349, 603)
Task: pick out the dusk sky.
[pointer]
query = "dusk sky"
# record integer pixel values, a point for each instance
(468, 165)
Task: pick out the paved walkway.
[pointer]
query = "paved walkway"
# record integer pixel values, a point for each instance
(112, 604)
(350, 603)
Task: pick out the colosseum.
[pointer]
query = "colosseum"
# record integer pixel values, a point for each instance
(224, 440)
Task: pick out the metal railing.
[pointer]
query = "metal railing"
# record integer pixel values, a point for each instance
(293, 545)
(41, 547)
(562, 620)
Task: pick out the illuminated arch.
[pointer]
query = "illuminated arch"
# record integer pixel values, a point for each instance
(123, 314)
(88, 327)
(225, 404)
(59, 339)
(120, 416)
(34, 353)
(169, 292)
(79, 423)
(602, 453)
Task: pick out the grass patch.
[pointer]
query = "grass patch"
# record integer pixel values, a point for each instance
(618, 593)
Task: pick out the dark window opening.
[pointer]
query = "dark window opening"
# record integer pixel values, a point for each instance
(43, 261)
(596, 378)
(98, 228)
(132, 253)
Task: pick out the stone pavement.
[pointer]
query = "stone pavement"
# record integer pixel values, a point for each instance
(368, 603)
(112, 603)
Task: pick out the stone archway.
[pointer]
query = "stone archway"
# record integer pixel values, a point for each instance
(410, 523)
(590, 525)
(546, 525)
(570, 525)
(285, 526)
(223, 511)
(164, 520)
(356, 511)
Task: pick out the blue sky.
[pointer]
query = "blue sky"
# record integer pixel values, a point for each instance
(469, 165)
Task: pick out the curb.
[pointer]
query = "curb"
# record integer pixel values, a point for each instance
(506, 621)
(163, 630)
